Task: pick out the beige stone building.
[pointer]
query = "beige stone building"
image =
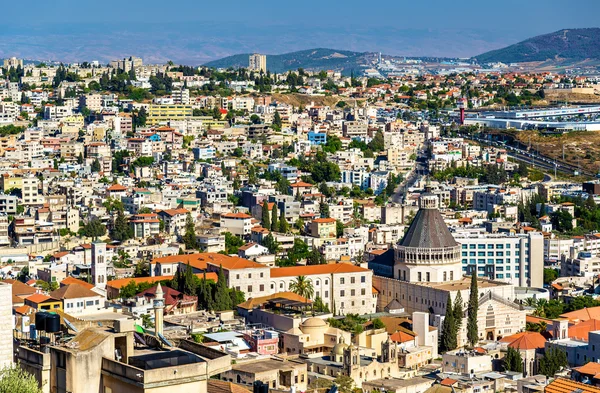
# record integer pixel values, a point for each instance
(277, 374)
(6, 328)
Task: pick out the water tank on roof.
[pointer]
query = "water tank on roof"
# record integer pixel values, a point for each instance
(53, 323)
(40, 321)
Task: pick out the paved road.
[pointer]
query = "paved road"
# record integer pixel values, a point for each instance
(410, 180)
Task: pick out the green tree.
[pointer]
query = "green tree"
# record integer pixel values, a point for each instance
(553, 361)
(302, 286)
(377, 143)
(562, 221)
(277, 122)
(80, 159)
(513, 360)
(448, 340)
(232, 243)
(94, 228)
(550, 275)
(271, 244)
(189, 281)
(222, 300)
(274, 225)
(345, 384)
(298, 252)
(189, 238)
(339, 228)
(128, 291)
(266, 221)
(324, 210)
(283, 224)
(319, 306)
(472, 329)
(96, 166)
(14, 379)
(333, 144)
(121, 230)
(378, 324)
(315, 257)
(458, 313)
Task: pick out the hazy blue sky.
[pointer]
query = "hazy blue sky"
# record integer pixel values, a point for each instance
(196, 31)
(528, 15)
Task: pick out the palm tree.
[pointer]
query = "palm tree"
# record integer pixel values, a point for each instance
(540, 308)
(302, 286)
(531, 302)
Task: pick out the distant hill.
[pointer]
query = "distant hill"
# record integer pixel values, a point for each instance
(310, 59)
(572, 44)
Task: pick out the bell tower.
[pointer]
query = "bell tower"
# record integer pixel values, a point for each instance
(388, 351)
(351, 359)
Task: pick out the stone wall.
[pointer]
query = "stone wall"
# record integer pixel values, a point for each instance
(6, 325)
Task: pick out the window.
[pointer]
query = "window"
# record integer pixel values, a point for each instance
(352, 292)
(419, 276)
(362, 291)
(352, 280)
(326, 294)
(326, 282)
(342, 293)
(261, 275)
(249, 288)
(249, 275)
(237, 276)
(363, 279)
(261, 288)
(342, 280)
(481, 246)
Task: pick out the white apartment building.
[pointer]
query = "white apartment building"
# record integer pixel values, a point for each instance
(342, 210)
(243, 104)
(30, 192)
(581, 264)
(513, 258)
(238, 224)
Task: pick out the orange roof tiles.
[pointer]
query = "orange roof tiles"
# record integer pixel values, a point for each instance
(116, 187)
(563, 385)
(38, 298)
(236, 215)
(334, 268)
(583, 329)
(121, 282)
(583, 314)
(324, 220)
(525, 340)
(591, 368)
(73, 280)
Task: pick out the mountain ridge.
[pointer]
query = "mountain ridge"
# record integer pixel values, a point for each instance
(309, 59)
(572, 44)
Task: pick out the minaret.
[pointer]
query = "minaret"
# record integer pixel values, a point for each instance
(159, 305)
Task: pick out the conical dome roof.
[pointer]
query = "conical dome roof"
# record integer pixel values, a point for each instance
(428, 229)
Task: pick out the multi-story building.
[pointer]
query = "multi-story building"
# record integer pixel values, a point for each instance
(257, 62)
(145, 225)
(6, 322)
(161, 114)
(582, 264)
(238, 224)
(343, 287)
(513, 258)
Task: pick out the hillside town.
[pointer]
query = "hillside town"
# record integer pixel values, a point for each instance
(208, 230)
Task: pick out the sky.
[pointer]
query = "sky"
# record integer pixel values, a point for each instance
(199, 30)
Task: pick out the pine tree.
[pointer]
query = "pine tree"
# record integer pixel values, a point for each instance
(283, 224)
(458, 313)
(472, 333)
(266, 221)
(121, 229)
(274, 225)
(448, 339)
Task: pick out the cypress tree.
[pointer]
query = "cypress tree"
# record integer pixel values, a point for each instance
(189, 286)
(222, 299)
(513, 360)
(458, 313)
(274, 226)
(266, 221)
(472, 333)
(448, 339)
(283, 224)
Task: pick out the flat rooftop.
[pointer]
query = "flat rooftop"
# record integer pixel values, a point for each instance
(261, 366)
(400, 383)
(150, 360)
(462, 284)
